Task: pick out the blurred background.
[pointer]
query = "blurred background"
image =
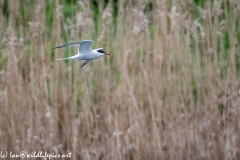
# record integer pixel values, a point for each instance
(169, 90)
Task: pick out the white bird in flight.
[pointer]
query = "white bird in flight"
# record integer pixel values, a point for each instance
(85, 52)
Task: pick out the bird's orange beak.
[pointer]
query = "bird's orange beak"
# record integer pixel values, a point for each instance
(107, 54)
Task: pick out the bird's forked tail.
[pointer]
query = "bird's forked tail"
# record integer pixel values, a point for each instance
(62, 59)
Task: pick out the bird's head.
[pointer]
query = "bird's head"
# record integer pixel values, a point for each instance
(100, 50)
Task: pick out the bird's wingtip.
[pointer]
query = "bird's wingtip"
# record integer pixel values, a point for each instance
(87, 40)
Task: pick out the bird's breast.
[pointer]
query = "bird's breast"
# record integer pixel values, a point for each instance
(89, 56)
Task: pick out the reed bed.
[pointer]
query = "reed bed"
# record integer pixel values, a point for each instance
(169, 90)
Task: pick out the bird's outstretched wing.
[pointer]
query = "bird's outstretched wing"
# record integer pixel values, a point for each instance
(86, 62)
(84, 46)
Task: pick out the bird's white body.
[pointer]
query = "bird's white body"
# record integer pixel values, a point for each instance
(85, 56)
(84, 52)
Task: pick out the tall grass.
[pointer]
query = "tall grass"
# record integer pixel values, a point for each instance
(169, 90)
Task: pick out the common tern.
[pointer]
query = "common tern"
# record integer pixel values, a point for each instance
(85, 52)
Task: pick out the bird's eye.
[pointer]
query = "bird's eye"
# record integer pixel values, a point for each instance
(101, 51)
